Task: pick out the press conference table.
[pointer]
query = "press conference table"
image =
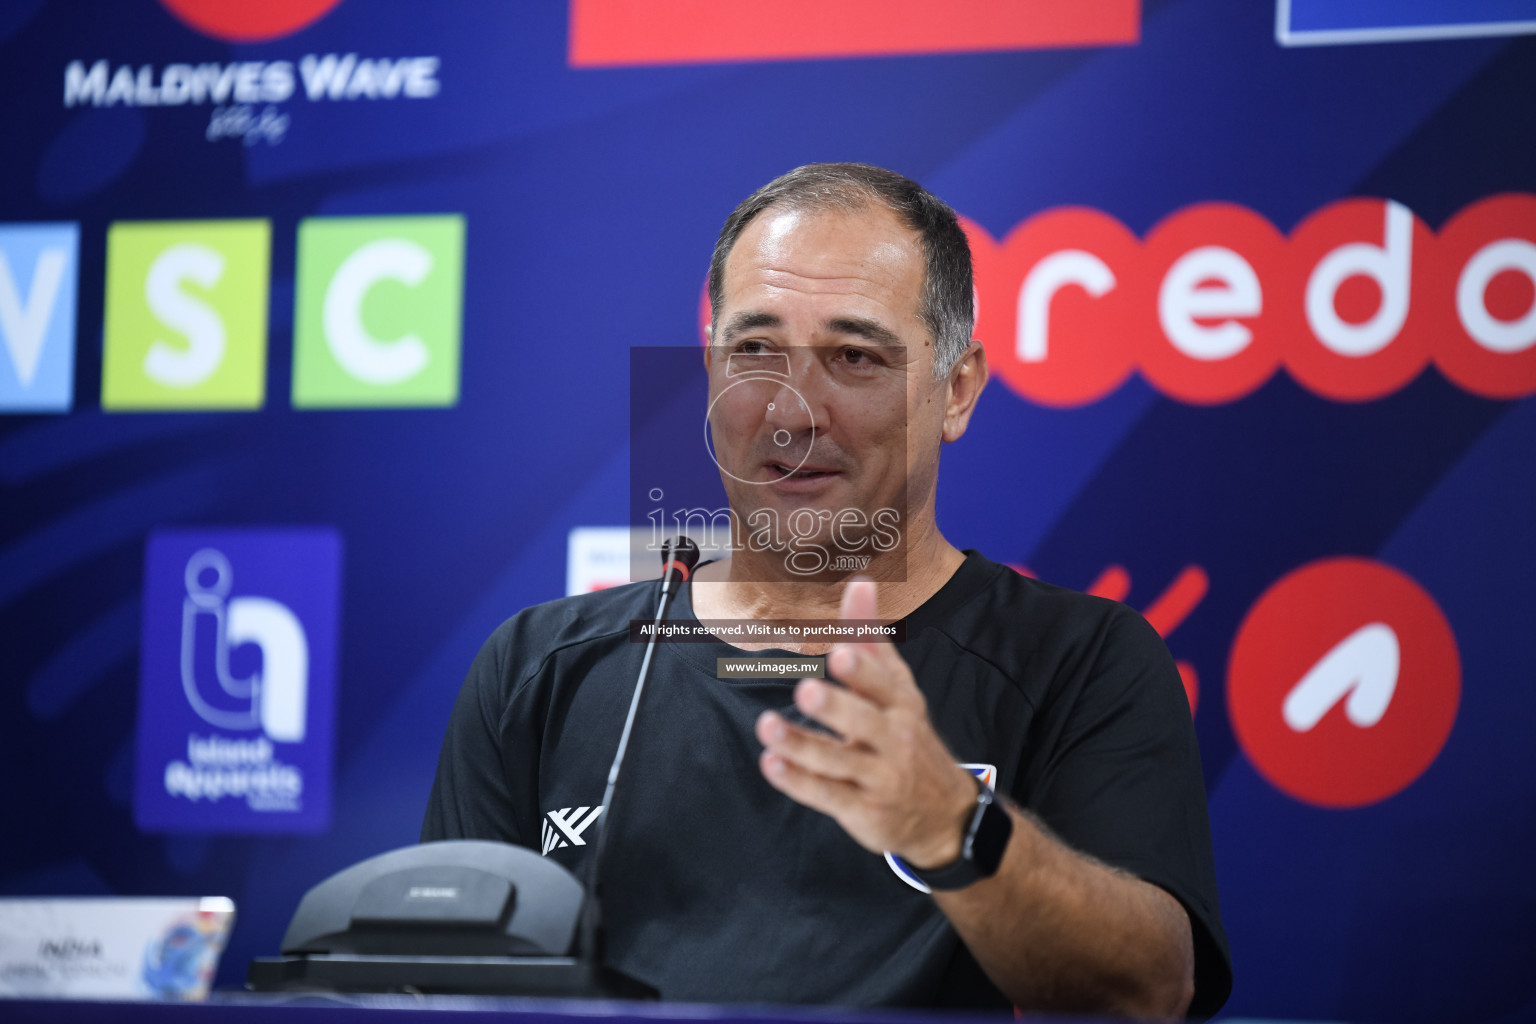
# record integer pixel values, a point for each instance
(272, 1008)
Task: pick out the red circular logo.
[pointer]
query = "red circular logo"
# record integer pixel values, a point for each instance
(1343, 682)
(236, 21)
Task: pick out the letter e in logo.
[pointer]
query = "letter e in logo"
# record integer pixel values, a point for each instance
(236, 692)
(186, 315)
(377, 318)
(39, 265)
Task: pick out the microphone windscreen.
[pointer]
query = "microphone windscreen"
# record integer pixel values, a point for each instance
(685, 551)
(678, 557)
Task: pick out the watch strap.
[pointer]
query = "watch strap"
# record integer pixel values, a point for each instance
(986, 835)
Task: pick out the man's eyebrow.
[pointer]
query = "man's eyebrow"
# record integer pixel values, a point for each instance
(741, 323)
(871, 330)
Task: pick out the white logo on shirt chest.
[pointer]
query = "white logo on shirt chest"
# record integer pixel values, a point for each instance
(565, 827)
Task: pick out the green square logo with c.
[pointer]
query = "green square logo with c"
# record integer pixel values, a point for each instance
(378, 311)
(186, 315)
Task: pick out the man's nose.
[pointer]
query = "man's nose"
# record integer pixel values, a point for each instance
(789, 408)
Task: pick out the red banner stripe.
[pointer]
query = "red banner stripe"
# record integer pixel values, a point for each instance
(614, 32)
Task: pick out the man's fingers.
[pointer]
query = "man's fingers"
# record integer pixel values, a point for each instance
(822, 755)
(859, 599)
(875, 672)
(873, 668)
(841, 710)
(829, 796)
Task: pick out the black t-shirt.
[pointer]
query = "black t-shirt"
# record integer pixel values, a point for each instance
(719, 888)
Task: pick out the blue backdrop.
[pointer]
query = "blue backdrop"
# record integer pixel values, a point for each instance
(590, 197)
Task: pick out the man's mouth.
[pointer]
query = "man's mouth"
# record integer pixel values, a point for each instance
(793, 472)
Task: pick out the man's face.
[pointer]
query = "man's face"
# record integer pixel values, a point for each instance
(821, 373)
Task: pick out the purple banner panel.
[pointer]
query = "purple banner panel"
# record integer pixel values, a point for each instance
(237, 685)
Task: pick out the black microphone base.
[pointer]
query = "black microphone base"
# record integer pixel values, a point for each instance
(547, 976)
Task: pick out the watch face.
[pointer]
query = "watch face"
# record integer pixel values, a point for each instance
(991, 838)
(986, 838)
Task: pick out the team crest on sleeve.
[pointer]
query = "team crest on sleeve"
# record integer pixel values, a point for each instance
(987, 773)
(566, 826)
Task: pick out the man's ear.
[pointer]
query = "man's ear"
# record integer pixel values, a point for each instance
(963, 388)
(709, 348)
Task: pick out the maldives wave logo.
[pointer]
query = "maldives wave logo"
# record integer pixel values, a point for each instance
(236, 22)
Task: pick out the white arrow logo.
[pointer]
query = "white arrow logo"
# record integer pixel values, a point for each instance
(1363, 666)
(565, 826)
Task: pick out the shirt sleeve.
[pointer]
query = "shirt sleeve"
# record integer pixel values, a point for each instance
(1122, 782)
(471, 798)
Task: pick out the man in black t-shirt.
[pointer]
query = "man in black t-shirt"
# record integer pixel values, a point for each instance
(837, 840)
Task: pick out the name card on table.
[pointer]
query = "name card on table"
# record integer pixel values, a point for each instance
(112, 948)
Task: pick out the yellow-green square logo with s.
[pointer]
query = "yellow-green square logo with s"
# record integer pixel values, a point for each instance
(378, 310)
(185, 325)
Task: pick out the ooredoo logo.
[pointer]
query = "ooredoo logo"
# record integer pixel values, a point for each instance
(1343, 682)
(248, 23)
(1353, 305)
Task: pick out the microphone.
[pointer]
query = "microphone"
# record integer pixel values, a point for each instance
(678, 558)
(359, 931)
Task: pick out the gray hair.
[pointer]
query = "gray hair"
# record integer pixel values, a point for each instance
(947, 304)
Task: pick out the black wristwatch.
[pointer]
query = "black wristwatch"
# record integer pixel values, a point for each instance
(981, 847)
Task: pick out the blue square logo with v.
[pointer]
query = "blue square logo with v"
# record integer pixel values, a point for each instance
(237, 680)
(39, 270)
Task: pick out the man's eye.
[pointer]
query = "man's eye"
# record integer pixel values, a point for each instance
(751, 348)
(859, 357)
